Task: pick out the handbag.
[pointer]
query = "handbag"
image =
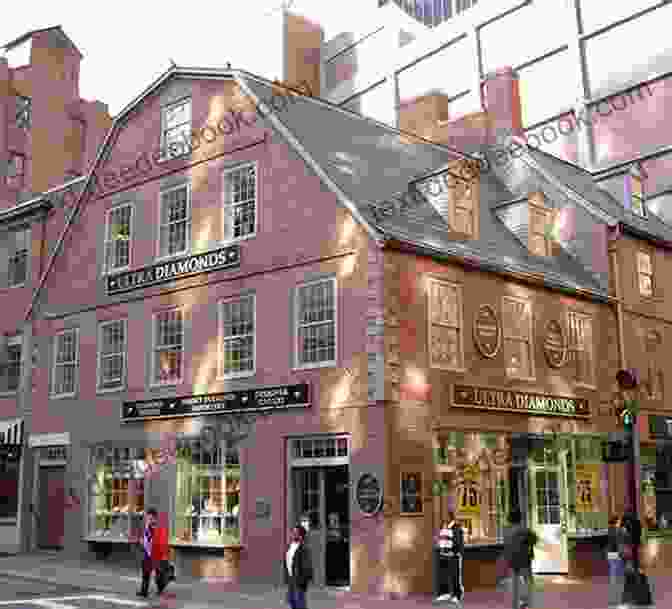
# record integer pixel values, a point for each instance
(628, 552)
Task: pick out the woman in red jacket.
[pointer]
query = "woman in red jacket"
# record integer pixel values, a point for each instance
(155, 552)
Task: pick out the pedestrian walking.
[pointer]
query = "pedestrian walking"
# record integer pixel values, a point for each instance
(633, 540)
(155, 554)
(519, 542)
(298, 569)
(448, 560)
(615, 542)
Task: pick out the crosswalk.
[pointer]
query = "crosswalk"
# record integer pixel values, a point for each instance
(88, 601)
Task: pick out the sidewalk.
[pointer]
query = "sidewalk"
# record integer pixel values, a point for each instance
(190, 593)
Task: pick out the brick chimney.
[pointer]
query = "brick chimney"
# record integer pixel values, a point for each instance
(303, 51)
(501, 98)
(422, 115)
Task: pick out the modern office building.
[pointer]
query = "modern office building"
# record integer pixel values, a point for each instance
(48, 135)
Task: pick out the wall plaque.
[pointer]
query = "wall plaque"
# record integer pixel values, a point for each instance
(487, 331)
(223, 258)
(555, 344)
(467, 396)
(247, 400)
(369, 494)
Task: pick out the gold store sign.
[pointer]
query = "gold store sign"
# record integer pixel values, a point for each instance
(518, 401)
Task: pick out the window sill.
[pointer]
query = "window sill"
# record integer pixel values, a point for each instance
(234, 240)
(62, 396)
(104, 391)
(302, 367)
(9, 394)
(233, 377)
(112, 272)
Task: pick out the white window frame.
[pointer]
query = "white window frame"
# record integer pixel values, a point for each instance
(221, 375)
(12, 341)
(332, 363)
(431, 323)
(12, 253)
(107, 240)
(187, 240)
(651, 274)
(165, 152)
(635, 175)
(506, 336)
(74, 331)
(572, 348)
(123, 353)
(152, 381)
(226, 204)
(13, 172)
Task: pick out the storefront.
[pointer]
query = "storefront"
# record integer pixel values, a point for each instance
(548, 464)
(11, 456)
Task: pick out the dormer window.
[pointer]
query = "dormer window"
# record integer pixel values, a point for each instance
(540, 226)
(176, 128)
(23, 112)
(637, 201)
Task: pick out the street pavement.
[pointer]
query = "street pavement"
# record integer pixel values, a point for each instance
(47, 581)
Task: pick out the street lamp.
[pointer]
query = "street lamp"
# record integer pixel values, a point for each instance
(628, 381)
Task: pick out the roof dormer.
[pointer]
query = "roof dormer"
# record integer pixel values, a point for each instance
(635, 199)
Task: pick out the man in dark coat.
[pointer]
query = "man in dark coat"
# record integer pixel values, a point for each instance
(298, 569)
(519, 542)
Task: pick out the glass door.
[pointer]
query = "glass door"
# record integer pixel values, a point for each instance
(308, 510)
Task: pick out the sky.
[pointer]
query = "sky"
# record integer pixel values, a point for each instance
(129, 43)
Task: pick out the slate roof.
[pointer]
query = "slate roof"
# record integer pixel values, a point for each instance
(21, 39)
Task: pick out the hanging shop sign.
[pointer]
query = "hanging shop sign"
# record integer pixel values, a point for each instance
(466, 396)
(555, 344)
(248, 400)
(487, 331)
(223, 258)
(587, 486)
(369, 494)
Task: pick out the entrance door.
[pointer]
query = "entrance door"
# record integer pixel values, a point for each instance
(547, 498)
(51, 525)
(321, 500)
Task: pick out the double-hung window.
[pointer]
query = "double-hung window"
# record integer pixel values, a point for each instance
(645, 273)
(517, 324)
(10, 376)
(16, 169)
(66, 363)
(237, 331)
(316, 324)
(174, 231)
(23, 112)
(17, 269)
(168, 351)
(637, 204)
(111, 355)
(240, 202)
(445, 325)
(176, 128)
(118, 238)
(581, 348)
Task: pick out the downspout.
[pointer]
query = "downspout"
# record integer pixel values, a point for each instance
(618, 301)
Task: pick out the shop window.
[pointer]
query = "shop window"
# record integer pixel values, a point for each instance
(23, 112)
(17, 261)
(238, 337)
(411, 493)
(645, 273)
(208, 494)
(9, 486)
(588, 504)
(175, 221)
(517, 323)
(446, 349)
(472, 480)
(637, 202)
(168, 348)
(66, 363)
(118, 238)
(111, 354)
(240, 202)
(10, 371)
(581, 348)
(116, 493)
(176, 128)
(316, 324)
(16, 171)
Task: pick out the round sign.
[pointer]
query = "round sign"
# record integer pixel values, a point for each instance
(555, 344)
(369, 494)
(487, 331)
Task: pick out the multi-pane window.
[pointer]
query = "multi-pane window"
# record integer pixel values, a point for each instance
(637, 195)
(237, 336)
(117, 238)
(462, 219)
(581, 347)
(645, 273)
(316, 323)
(176, 128)
(23, 112)
(66, 363)
(539, 235)
(16, 169)
(111, 354)
(168, 347)
(11, 369)
(240, 202)
(175, 221)
(17, 270)
(445, 325)
(517, 324)
(208, 493)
